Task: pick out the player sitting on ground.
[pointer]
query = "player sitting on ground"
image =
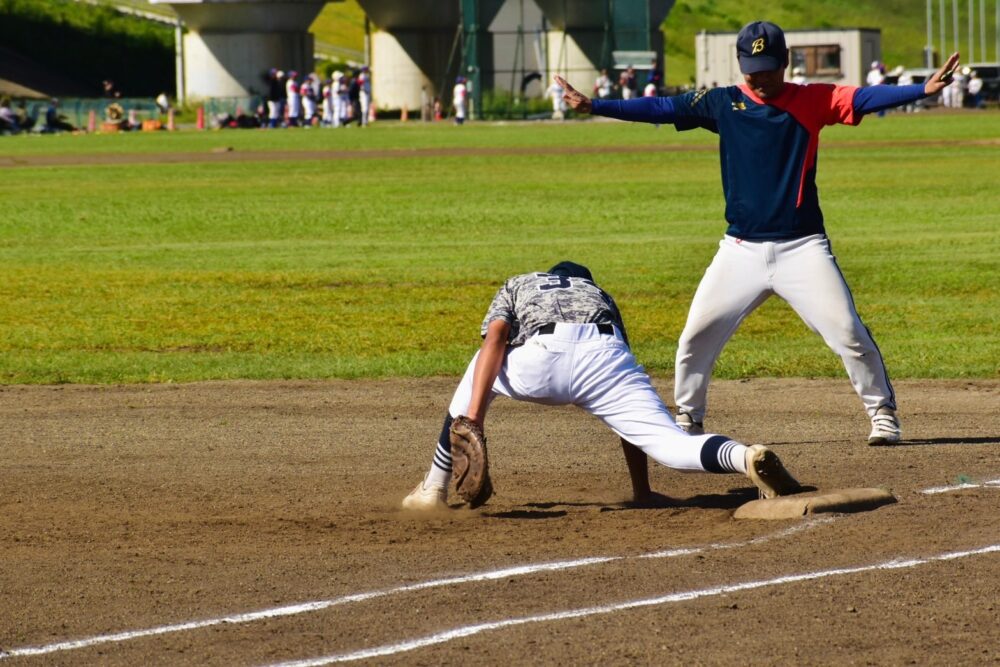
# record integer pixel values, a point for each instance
(557, 338)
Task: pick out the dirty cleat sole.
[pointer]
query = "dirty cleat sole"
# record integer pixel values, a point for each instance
(768, 473)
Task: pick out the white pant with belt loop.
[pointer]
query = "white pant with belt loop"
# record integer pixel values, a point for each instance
(577, 365)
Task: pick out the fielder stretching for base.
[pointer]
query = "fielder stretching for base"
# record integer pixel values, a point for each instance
(557, 338)
(776, 243)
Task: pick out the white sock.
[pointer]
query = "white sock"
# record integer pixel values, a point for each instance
(733, 456)
(440, 472)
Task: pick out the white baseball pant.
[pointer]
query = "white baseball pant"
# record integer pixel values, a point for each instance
(803, 272)
(366, 100)
(577, 365)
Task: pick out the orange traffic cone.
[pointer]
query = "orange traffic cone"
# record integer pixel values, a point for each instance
(200, 118)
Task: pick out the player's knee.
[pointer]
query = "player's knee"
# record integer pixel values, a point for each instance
(852, 341)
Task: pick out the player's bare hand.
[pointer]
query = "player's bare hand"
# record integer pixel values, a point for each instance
(576, 100)
(651, 500)
(942, 77)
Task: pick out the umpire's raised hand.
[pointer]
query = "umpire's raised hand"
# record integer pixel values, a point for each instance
(576, 100)
(942, 77)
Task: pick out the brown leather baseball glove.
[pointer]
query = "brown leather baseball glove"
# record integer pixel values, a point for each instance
(470, 467)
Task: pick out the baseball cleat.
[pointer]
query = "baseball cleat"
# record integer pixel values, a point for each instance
(425, 498)
(885, 428)
(689, 425)
(765, 470)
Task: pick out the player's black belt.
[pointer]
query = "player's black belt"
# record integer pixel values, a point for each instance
(606, 329)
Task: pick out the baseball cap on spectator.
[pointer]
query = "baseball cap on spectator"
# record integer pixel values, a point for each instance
(760, 47)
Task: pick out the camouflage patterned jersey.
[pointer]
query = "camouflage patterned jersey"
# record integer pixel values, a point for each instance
(531, 300)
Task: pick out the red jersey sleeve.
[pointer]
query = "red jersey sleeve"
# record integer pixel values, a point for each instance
(841, 106)
(815, 105)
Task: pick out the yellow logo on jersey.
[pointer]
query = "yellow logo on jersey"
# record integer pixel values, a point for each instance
(697, 96)
(739, 106)
(758, 46)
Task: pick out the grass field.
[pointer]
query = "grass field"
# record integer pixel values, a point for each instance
(384, 265)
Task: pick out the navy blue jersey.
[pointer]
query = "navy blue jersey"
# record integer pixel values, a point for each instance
(767, 149)
(768, 152)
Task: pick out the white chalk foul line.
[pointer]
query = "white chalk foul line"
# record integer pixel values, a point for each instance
(469, 630)
(964, 485)
(318, 605)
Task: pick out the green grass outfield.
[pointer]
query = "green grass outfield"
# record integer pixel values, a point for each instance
(383, 264)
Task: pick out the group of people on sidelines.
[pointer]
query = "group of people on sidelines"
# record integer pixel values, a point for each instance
(20, 119)
(627, 86)
(305, 101)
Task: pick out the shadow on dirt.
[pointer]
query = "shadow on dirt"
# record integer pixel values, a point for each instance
(526, 514)
(986, 440)
(727, 501)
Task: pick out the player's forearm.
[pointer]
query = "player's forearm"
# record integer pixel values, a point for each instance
(638, 470)
(877, 98)
(488, 364)
(641, 110)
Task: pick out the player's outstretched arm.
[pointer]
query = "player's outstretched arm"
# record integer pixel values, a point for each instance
(942, 77)
(641, 109)
(877, 98)
(638, 470)
(573, 98)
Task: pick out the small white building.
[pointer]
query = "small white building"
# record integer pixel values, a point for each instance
(840, 55)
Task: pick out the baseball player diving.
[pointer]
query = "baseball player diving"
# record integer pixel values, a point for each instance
(776, 243)
(556, 338)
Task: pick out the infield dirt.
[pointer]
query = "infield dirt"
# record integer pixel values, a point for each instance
(137, 507)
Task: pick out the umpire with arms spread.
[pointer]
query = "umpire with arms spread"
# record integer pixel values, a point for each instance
(776, 242)
(557, 338)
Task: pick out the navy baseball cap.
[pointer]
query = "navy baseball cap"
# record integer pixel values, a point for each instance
(760, 47)
(571, 270)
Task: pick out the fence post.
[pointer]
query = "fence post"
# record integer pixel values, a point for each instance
(200, 122)
(91, 121)
(170, 120)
